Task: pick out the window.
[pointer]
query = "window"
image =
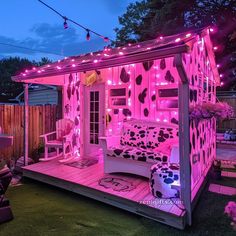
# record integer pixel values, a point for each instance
(167, 97)
(94, 117)
(118, 96)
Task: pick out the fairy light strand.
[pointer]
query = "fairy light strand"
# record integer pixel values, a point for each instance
(66, 19)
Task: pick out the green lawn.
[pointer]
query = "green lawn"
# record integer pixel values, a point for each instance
(40, 209)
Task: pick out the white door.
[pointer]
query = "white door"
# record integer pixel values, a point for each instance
(94, 117)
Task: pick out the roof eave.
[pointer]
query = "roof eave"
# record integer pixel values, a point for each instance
(112, 62)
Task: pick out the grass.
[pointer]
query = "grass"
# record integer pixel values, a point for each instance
(40, 209)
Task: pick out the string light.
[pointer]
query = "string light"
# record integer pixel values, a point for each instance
(65, 23)
(88, 35)
(66, 19)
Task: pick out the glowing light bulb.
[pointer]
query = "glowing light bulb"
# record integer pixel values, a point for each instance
(177, 40)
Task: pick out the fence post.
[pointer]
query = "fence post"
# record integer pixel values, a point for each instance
(26, 124)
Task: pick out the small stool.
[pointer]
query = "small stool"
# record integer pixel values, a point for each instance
(163, 176)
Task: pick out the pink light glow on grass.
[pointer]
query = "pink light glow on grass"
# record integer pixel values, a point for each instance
(188, 35)
(121, 53)
(73, 65)
(95, 61)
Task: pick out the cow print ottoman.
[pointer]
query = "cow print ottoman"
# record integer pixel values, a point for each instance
(163, 175)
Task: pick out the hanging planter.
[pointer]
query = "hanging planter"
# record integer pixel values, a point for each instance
(220, 111)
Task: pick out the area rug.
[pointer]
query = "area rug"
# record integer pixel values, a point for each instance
(83, 163)
(116, 184)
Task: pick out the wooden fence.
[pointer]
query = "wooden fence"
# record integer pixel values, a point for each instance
(42, 119)
(228, 124)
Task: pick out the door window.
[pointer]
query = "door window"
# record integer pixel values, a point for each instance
(94, 117)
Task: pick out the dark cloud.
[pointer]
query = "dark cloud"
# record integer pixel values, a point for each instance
(52, 38)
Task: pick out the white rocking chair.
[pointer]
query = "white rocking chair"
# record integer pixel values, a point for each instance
(64, 132)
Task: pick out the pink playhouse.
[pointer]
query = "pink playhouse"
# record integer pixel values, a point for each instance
(126, 137)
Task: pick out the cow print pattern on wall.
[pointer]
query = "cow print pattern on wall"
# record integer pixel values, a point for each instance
(146, 112)
(124, 76)
(147, 65)
(139, 79)
(142, 96)
(202, 146)
(162, 176)
(163, 64)
(169, 77)
(137, 154)
(126, 112)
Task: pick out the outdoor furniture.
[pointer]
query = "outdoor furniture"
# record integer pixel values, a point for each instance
(163, 177)
(5, 209)
(141, 145)
(5, 179)
(63, 141)
(5, 140)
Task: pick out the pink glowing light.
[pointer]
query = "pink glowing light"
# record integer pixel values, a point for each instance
(221, 83)
(129, 44)
(148, 48)
(24, 74)
(34, 68)
(26, 71)
(72, 60)
(215, 48)
(73, 65)
(161, 37)
(48, 66)
(211, 30)
(121, 53)
(221, 75)
(58, 67)
(177, 40)
(95, 61)
(188, 35)
(217, 65)
(109, 82)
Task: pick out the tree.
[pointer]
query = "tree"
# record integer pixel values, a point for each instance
(150, 18)
(12, 66)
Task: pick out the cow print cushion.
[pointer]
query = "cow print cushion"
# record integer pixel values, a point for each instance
(134, 135)
(137, 154)
(157, 135)
(163, 175)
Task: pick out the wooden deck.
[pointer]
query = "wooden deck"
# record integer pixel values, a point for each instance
(86, 182)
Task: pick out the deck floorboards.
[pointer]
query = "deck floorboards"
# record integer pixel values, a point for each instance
(139, 200)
